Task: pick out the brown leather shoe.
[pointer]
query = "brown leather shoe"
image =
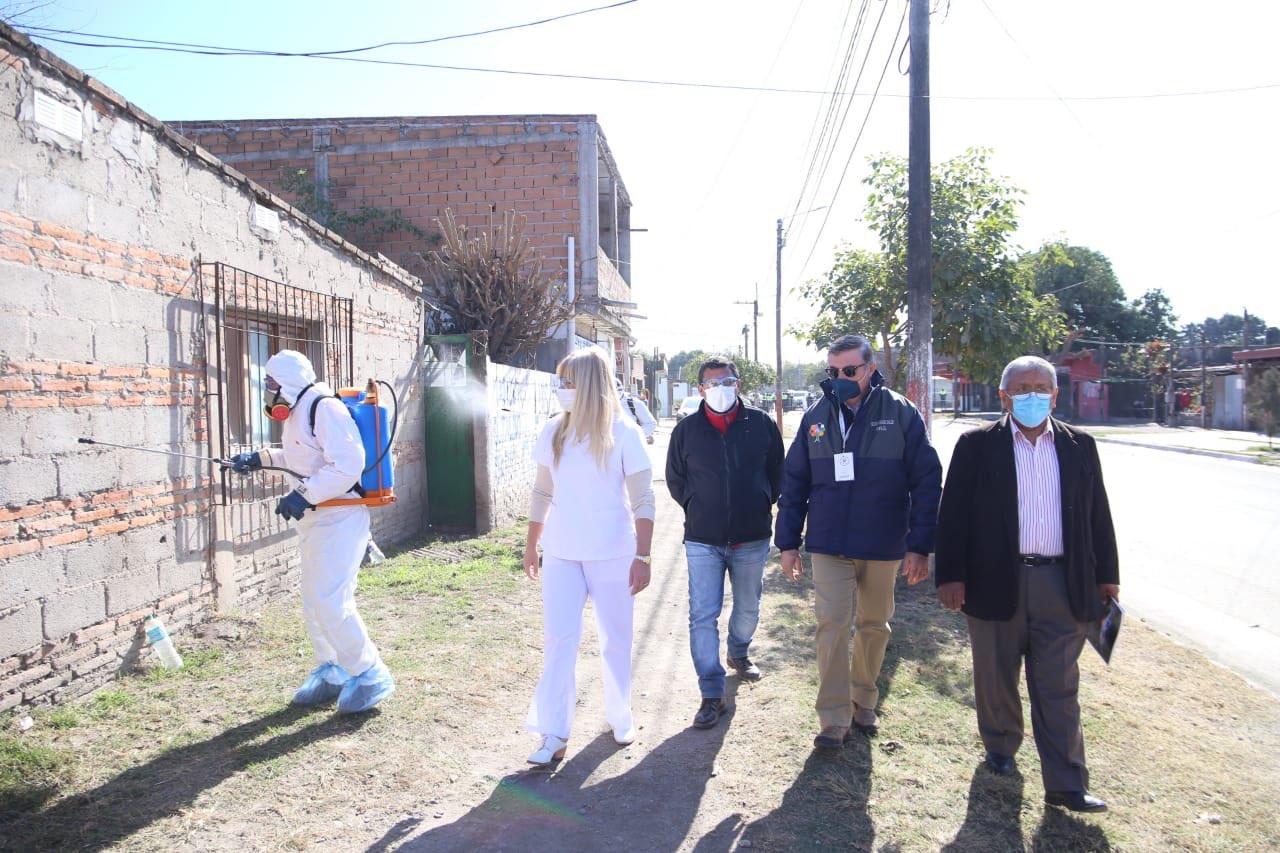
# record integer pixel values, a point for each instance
(832, 737)
(865, 719)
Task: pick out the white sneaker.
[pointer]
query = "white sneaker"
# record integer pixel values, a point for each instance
(551, 751)
(626, 737)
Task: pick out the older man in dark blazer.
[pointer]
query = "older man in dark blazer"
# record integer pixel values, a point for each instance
(1027, 550)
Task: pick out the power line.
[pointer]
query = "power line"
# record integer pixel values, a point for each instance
(822, 174)
(737, 139)
(813, 128)
(853, 149)
(697, 84)
(836, 88)
(217, 50)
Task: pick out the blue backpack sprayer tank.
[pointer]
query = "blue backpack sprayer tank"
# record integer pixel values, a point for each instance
(377, 430)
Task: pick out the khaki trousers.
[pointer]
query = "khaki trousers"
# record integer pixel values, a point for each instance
(838, 584)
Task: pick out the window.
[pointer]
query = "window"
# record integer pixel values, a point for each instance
(254, 318)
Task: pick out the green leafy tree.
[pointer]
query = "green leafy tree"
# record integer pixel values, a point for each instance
(1263, 401)
(986, 309)
(858, 295)
(1151, 318)
(1085, 287)
(754, 375)
(687, 369)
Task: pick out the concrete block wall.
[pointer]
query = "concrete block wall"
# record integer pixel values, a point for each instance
(103, 334)
(519, 403)
(474, 165)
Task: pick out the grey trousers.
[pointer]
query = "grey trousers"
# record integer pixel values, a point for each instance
(1044, 632)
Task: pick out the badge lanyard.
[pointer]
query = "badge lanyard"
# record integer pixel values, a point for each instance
(843, 460)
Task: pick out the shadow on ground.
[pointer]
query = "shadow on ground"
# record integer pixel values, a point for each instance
(650, 806)
(827, 802)
(168, 783)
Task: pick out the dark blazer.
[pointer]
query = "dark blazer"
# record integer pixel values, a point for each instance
(978, 522)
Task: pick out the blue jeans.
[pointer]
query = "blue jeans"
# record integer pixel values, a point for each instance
(707, 566)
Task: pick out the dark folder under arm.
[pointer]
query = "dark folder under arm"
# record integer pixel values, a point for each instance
(1103, 633)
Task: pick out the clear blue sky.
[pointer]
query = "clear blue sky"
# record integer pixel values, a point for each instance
(1181, 193)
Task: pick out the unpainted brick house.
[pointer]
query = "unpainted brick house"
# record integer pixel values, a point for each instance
(143, 284)
(555, 170)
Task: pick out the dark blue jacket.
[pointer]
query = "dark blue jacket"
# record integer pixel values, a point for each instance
(891, 505)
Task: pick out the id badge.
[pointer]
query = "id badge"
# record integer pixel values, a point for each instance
(844, 467)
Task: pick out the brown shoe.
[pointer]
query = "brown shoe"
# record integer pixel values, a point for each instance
(865, 719)
(832, 737)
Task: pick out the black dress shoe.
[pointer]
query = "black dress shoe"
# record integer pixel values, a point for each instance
(708, 714)
(833, 737)
(1076, 801)
(746, 670)
(1001, 765)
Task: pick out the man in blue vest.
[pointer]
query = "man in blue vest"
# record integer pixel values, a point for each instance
(862, 472)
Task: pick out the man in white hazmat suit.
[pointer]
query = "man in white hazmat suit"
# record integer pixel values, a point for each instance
(639, 411)
(330, 459)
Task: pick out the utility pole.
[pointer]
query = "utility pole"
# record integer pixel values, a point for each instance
(919, 222)
(777, 315)
(746, 331)
(1168, 386)
(755, 319)
(1204, 383)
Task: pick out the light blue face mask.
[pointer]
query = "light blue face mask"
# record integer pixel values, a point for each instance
(1031, 409)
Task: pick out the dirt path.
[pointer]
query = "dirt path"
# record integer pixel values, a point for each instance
(211, 757)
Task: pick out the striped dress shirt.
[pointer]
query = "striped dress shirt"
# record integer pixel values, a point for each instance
(1039, 493)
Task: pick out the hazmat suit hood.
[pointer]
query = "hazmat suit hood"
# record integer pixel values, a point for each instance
(293, 371)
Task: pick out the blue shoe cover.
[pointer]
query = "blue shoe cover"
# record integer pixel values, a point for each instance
(322, 685)
(366, 689)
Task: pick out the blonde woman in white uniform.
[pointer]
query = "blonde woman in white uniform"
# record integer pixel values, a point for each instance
(592, 511)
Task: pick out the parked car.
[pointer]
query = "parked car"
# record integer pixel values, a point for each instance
(688, 407)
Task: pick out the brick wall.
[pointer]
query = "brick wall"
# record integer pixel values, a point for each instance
(104, 332)
(421, 166)
(519, 404)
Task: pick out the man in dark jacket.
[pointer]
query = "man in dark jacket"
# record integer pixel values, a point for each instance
(724, 467)
(862, 470)
(1027, 550)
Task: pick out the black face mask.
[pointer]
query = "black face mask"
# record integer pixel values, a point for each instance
(842, 389)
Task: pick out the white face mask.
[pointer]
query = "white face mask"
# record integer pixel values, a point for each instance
(566, 397)
(721, 399)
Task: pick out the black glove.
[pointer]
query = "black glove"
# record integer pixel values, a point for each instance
(243, 463)
(293, 505)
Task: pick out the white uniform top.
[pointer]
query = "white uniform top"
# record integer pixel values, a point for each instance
(643, 416)
(330, 459)
(590, 516)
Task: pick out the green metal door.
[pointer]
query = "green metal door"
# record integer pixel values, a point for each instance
(450, 453)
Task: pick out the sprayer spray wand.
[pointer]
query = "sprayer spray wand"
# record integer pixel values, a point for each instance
(224, 463)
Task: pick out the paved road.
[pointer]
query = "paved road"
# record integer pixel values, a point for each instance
(1199, 549)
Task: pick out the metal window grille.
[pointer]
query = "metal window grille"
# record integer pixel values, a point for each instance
(254, 318)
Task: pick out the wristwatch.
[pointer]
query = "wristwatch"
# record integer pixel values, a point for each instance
(644, 558)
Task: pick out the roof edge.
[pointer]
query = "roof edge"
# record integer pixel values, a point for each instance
(187, 148)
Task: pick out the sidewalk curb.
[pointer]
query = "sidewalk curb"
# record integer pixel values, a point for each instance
(1190, 451)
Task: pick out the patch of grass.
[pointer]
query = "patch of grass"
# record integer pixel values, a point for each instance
(110, 703)
(1258, 448)
(62, 718)
(196, 664)
(30, 774)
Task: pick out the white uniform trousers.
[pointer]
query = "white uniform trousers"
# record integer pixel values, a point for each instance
(565, 587)
(333, 542)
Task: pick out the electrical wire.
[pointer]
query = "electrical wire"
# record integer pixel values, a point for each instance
(217, 50)
(699, 84)
(822, 174)
(746, 118)
(854, 148)
(836, 87)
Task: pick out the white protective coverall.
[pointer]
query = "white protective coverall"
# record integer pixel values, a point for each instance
(332, 540)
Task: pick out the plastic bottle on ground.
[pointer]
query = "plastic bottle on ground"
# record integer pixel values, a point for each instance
(159, 639)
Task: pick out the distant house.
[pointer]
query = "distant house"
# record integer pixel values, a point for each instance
(555, 170)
